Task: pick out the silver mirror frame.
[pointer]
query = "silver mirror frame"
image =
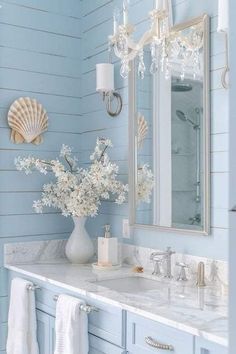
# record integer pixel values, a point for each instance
(206, 139)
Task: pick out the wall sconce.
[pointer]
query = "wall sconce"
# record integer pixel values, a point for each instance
(105, 85)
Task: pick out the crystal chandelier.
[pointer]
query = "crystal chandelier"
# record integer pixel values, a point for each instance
(168, 47)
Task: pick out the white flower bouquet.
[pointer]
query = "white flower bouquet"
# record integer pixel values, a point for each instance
(77, 191)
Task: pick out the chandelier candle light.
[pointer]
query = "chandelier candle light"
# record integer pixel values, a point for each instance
(167, 46)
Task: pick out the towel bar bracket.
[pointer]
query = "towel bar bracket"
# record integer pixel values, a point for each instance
(33, 287)
(86, 308)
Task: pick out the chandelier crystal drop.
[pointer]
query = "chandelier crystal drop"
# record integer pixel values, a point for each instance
(168, 47)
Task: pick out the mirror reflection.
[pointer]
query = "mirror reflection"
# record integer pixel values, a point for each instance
(171, 143)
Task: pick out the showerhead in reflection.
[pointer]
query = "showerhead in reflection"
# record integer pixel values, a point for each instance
(182, 116)
(179, 86)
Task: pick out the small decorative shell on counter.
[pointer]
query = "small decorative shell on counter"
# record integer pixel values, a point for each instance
(142, 130)
(28, 120)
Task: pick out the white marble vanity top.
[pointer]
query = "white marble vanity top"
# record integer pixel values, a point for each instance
(180, 305)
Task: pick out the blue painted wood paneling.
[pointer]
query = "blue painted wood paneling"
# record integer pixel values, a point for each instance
(40, 56)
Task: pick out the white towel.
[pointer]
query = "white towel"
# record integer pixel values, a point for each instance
(223, 15)
(22, 327)
(71, 326)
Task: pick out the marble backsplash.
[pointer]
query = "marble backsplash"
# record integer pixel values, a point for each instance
(34, 252)
(54, 250)
(215, 270)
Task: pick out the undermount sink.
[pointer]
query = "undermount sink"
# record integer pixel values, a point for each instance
(130, 284)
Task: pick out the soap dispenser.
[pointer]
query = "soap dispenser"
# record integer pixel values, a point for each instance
(107, 249)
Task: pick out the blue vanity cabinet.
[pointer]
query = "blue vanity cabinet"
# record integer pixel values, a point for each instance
(143, 336)
(107, 323)
(205, 347)
(45, 332)
(107, 326)
(113, 330)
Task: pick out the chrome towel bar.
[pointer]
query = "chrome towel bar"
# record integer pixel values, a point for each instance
(86, 308)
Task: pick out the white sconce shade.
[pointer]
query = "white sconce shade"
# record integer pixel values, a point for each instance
(105, 77)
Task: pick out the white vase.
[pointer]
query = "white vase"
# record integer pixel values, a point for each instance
(79, 247)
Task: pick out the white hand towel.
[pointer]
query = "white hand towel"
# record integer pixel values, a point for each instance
(71, 327)
(223, 15)
(22, 327)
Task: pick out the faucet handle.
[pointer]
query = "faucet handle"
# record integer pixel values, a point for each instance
(156, 270)
(182, 274)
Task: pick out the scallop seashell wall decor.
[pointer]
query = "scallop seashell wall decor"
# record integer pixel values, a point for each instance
(142, 130)
(28, 120)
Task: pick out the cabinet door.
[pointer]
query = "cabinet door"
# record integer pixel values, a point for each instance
(100, 346)
(205, 347)
(43, 333)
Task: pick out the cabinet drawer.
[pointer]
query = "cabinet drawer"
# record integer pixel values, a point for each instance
(99, 322)
(99, 346)
(139, 329)
(205, 347)
(108, 323)
(45, 300)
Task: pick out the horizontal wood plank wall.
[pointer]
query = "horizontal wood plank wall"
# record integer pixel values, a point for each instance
(96, 26)
(40, 57)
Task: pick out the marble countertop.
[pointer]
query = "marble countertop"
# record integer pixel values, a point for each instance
(200, 312)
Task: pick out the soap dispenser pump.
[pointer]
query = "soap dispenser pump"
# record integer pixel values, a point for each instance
(107, 249)
(107, 231)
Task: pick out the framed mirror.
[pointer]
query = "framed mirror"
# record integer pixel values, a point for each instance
(169, 131)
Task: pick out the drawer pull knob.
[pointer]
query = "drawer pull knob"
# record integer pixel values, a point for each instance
(153, 343)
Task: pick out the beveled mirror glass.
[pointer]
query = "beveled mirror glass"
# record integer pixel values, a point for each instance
(169, 143)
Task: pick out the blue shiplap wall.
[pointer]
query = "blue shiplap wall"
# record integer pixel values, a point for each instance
(40, 51)
(96, 26)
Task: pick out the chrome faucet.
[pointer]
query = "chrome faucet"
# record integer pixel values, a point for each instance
(166, 256)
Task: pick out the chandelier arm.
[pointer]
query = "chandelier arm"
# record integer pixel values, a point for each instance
(134, 48)
(144, 40)
(132, 54)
